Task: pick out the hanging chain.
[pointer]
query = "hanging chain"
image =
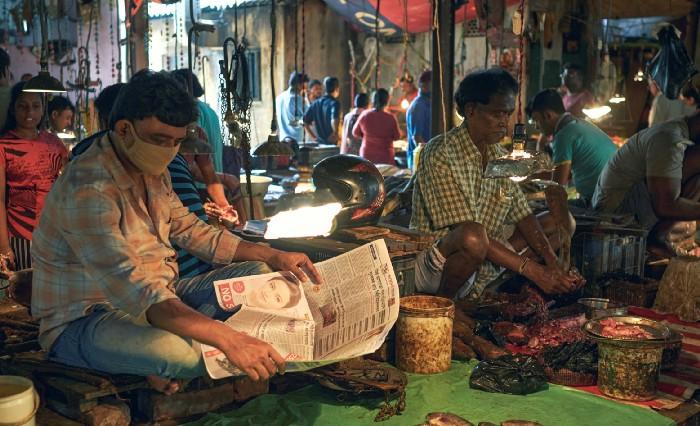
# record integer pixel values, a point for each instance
(167, 42)
(112, 41)
(97, 41)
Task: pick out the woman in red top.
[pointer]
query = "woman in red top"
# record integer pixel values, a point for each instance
(30, 161)
(378, 130)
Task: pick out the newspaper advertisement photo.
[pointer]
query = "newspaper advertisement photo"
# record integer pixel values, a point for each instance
(361, 289)
(348, 314)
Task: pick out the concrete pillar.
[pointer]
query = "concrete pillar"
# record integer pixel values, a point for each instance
(137, 50)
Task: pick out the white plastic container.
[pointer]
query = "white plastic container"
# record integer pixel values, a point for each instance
(19, 401)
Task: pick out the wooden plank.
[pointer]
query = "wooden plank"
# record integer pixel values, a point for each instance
(72, 391)
(686, 414)
(46, 416)
(76, 391)
(68, 409)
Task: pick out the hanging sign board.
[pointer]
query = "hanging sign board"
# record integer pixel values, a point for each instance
(362, 13)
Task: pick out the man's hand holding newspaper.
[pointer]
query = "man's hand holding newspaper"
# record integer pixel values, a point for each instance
(310, 324)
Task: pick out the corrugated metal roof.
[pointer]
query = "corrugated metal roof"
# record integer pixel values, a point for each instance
(156, 10)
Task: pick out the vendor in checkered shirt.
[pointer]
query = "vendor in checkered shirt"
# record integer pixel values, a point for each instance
(482, 225)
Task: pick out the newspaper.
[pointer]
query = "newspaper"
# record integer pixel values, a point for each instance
(348, 314)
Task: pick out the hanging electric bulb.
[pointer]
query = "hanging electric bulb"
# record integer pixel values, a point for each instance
(597, 112)
(639, 76)
(617, 98)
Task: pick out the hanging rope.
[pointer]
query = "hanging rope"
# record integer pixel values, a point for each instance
(303, 56)
(486, 32)
(303, 36)
(273, 27)
(521, 48)
(235, 22)
(405, 37)
(296, 35)
(376, 38)
(296, 60)
(436, 26)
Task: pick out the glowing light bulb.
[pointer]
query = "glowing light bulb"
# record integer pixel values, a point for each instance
(598, 112)
(404, 104)
(65, 134)
(617, 98)
(303, 222)
(639, 76)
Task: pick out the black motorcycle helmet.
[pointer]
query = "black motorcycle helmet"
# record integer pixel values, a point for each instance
(356, 184)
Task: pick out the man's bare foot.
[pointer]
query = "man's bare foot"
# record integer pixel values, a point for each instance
(163, 385)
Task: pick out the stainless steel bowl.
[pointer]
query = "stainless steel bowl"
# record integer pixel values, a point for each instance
(596, 307)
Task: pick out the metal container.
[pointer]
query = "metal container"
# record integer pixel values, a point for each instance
(628, 369)
(628, 373)
(596, 307)
(424, 334)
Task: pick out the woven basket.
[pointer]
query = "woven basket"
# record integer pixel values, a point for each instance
(632, 294)
(569, 378)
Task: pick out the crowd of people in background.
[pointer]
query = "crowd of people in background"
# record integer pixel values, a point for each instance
(308, 111)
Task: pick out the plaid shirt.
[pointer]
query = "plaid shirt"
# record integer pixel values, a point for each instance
(450, 189)
(99, 243)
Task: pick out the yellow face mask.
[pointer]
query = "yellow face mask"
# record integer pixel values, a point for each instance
(148, 158)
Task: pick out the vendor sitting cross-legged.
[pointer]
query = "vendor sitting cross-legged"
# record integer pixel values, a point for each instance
(106, 287)
(471, 214)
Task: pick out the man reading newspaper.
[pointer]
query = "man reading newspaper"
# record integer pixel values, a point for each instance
(309, 324)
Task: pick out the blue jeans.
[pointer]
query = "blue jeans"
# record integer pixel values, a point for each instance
(115, 342)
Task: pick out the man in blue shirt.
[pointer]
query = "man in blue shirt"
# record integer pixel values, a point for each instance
(418, 116)
(578, 147)
(291, 107)
(324, 114)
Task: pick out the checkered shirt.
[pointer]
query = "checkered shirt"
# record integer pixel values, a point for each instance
(450, 189)
(99, 243)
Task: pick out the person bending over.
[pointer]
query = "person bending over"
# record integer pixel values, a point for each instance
(655, 176)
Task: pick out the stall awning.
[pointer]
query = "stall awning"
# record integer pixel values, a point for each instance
(392, 13)
(616, 9)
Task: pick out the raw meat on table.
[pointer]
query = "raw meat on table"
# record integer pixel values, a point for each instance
(551, 333)
(618, 330)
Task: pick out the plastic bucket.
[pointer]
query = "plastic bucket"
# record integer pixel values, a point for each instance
(424, 334)
(628, 372)
(19, 401)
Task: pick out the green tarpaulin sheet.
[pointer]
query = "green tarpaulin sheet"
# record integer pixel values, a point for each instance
(448, 392)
